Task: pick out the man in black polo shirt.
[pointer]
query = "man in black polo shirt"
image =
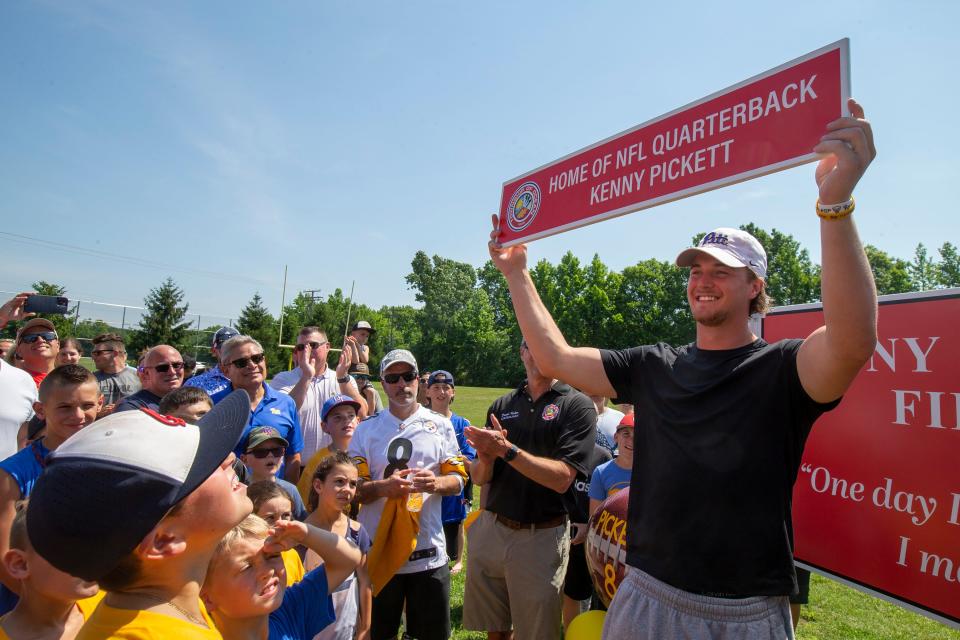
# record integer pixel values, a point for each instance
(538, 439)
(721, 423)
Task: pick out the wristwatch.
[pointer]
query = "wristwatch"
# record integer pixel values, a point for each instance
(511, 453)
(344, 380)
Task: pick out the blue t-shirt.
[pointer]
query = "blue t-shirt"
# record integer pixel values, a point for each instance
(607, 479)
(306, 609)
(24, 467)
(142, 399)
(212, 381)
(453, 507)
(277, 410)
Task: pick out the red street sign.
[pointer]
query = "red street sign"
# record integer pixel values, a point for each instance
(877, 501)
(761, 125)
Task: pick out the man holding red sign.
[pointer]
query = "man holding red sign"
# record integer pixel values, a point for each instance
(724, 420)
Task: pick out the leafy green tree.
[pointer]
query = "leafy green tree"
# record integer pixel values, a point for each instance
(892, 275)
(791, 276)
(923, 273)
(652, 305)
(256, 321)
(162, 321)
(948, 269)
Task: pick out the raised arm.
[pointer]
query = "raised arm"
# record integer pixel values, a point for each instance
(831, 356)
(580, 367)
(340, 555)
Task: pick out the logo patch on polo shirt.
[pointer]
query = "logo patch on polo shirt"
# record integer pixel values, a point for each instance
(275, 412)
(550, 412)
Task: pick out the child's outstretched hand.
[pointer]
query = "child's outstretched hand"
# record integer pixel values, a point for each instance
(285, 534)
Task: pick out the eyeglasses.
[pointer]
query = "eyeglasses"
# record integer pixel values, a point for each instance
(260, 454)
(100, 352)
(313, 345)
(163, 368)
(241, 363)
(393, 378)
(48, 336)
(361, 378)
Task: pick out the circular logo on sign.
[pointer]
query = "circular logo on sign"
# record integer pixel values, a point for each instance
(523, 206)
(550, 412)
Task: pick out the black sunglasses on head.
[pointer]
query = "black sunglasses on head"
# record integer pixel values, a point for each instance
(313, 345)
(260, 454)
(48, 336)
(242, 363)
(392, 378)
(163, 368)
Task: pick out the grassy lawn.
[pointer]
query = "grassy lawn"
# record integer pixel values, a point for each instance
(835, 611)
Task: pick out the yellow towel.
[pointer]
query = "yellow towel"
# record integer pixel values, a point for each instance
(395, 540)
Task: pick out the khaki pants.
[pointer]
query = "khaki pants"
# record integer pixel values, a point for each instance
(514, 579)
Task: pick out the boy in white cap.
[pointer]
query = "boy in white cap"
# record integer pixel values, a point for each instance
(138, 502)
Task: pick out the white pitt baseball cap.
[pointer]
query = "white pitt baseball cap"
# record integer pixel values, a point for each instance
(732, 247)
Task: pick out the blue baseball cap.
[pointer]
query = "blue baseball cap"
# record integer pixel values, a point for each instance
(222, 335)
(441, 376)
(336, 401)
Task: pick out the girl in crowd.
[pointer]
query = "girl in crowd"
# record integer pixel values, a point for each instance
(333, 489)
(70, 352)
(272, 503)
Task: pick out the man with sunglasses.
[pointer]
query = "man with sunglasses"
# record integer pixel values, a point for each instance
(243, 362)
(38, 345)
(312, 382)
(161, 371)
(116, 379)
(407, 458)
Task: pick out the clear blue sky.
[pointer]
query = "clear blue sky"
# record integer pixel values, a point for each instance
(206, 138)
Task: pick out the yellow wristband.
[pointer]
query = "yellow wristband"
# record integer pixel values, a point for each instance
(836, 211)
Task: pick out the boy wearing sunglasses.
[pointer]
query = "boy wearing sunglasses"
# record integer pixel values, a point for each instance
(265, 450)
(160, 371)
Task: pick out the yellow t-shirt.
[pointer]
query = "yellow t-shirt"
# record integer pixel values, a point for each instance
(293, 565)
(109, 623)
(306, 478)
(86, 606)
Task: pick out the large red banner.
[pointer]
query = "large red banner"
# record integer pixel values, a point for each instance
(877, 500)
(765, 124)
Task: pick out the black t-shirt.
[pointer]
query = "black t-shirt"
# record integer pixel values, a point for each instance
(560, 425)
(717, 447)
(577, 497)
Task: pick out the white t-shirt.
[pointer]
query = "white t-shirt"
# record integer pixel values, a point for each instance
(425, 436)
(321, 387)
(18, 392)
(608, 421)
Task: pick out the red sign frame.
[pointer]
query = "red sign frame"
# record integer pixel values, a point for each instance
(877, 500)
(767, 123)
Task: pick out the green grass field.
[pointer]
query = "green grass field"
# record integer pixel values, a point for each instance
(835, 611)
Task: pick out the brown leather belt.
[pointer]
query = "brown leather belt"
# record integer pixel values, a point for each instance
(519, 526)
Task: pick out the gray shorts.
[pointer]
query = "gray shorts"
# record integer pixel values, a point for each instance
(646, 608)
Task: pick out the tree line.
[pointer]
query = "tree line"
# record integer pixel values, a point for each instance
(465, 323)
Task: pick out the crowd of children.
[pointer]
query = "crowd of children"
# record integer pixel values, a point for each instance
(178, 523)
